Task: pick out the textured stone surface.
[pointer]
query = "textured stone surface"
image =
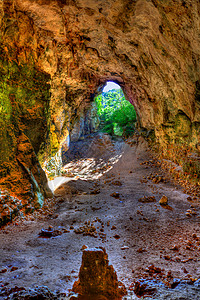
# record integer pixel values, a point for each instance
(97, 277)
(41, 292)
(151, 48)
(87, 123)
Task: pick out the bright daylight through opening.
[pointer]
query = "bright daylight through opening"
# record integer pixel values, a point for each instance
(111, 86)
(117, 119)
(117, 115)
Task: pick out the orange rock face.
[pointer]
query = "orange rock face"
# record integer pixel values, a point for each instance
(151, 48)
(97, 277)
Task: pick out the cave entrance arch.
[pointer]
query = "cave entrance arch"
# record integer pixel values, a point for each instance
(117, 115)
(86, 158)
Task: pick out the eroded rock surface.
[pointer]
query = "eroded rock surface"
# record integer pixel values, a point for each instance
(151, 48)
(41, 292)
(97, 277)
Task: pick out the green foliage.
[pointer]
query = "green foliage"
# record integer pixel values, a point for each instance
(117, 115)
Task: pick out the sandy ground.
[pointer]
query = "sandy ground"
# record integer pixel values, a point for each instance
(156, 246)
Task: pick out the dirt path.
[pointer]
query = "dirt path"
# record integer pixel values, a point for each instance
(143, 239)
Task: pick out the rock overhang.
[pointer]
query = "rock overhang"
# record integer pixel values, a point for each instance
(150, 48)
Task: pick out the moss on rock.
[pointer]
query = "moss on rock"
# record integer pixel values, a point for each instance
(24, 101)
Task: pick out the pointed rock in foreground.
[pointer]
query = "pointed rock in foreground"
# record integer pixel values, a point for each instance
(98, 278)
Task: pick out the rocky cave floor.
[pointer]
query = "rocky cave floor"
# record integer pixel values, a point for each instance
(109, 198)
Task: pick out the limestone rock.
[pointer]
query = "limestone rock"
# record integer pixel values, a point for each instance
(41, 292)
(71, 48)
(97, 277)
(163, 200)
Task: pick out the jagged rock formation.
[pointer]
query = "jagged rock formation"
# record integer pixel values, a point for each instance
(57, 54)
(87, 123)
(97, 277)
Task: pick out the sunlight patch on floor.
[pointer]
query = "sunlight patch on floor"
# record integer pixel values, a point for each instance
(89, 168)
(56, 182)
(86, 169)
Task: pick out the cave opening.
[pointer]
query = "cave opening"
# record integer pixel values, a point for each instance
(137, 199)
(117, 115)
(97, 136)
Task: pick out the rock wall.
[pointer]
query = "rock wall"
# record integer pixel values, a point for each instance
(87, 122)
(24, 105)
(150, 47)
